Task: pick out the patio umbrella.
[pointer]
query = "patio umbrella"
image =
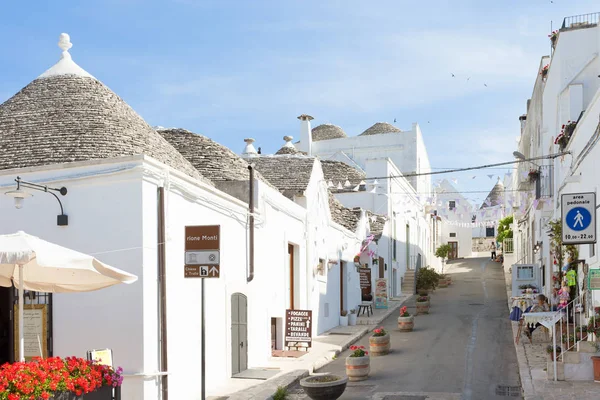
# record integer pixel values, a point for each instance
(31, 263)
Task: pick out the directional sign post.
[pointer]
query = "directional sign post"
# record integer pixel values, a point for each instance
(578, 218)
(202, 260)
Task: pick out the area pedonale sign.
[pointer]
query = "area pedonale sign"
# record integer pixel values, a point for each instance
(202, 251)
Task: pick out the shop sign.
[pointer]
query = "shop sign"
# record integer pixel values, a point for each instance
(298, 328)
(594, 279)
(381, 297)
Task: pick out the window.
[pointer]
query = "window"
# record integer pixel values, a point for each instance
(321, 267)
(452, 204)
(525, 272)
(453, 234)
(489, 232)
(395, 249)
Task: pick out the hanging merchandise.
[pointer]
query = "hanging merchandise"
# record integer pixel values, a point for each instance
(572, 277)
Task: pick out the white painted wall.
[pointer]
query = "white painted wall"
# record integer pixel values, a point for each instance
(456, 221)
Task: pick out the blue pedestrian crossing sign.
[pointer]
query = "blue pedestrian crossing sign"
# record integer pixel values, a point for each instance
(578, 218)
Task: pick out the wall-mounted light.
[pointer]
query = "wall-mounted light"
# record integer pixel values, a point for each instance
(20, 195)
(537, 247)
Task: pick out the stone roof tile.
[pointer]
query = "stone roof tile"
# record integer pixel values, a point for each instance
(380, 128)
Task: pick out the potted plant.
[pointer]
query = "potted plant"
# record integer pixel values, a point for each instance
(544, 71)
(566, 132)
(352, 317)
(70, 378)
(550, 351)
(357, 261)
(443, 283)
(344, 318)
(406, 322)
(581, 332)
(422, 305)
(358, 364)
(379, 342)
(533, 175)
(427, 279)
(568, 342)
(324, 387)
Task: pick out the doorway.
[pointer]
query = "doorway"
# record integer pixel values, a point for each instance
(381, 266)
(342, 279)
(239, 333)
(453, 254)
(408, 266)
(6, 331)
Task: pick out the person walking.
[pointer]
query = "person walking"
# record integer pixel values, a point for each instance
(493, 249)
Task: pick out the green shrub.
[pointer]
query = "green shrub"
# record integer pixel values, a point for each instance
(427, 278)
(280, 394)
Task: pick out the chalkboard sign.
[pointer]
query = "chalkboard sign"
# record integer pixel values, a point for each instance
(365, 281)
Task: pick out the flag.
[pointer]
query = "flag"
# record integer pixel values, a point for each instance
(490, 176)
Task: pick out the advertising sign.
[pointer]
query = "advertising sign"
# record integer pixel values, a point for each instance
(381, 297)
(365, 281)
(202, 255)
(594, 279)
(298, 328)
(578, 218)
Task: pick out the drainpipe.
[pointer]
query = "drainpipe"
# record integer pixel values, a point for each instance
(162, 291)
(251, 233)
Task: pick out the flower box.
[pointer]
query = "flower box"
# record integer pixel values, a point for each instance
(102, 393)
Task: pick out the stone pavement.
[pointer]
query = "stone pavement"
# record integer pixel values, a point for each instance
(325, 348)
(533, 363)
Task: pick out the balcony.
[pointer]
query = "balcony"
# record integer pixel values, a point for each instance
(544, 184)
(581, 21)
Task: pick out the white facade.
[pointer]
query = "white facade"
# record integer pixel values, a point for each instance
(569, 92)
(406, 149)
(455, 211)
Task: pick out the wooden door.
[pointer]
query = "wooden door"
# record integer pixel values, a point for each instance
(239, 333)
(453, 254)
(291, 275)
(381, 267)
(341, 286)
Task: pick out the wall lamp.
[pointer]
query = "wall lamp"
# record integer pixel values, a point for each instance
(20, 195)
(537, 247)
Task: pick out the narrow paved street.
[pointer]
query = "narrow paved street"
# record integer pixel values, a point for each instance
(462, 350)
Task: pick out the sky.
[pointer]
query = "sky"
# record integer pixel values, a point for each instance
(236, 69)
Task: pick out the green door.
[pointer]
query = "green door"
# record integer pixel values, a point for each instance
(239, 333)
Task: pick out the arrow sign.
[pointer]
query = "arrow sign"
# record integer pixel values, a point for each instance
(214, 271)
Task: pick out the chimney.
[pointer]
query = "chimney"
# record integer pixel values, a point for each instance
(288, 142)
(249, 150)
(305, 134)
(523, 121)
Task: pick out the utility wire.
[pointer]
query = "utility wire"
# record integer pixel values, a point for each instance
(448, 171)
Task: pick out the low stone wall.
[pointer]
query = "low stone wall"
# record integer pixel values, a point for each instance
(482, 245)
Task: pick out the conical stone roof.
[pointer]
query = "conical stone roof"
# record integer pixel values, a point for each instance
(327, 132)
(495, 197)
(66, 115)
(380, 128)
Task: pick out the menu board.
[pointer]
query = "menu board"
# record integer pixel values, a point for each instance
(298, 324)
(594, 279)
(365, 281)
(381, 297)
(35, 328)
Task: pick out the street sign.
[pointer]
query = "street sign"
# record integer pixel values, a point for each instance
(578, 218)
(202, 251)
(594, 279)
(298, 328)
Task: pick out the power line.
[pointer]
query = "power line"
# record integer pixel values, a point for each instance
(448, 171)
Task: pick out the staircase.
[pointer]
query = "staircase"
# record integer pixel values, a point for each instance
(408, 282)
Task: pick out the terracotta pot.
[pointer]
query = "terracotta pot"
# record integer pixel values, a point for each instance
(358, 368)
(423, 307)
(324, 390)
(406, 324)
(596, 361)
(552, 355)
(379, 345)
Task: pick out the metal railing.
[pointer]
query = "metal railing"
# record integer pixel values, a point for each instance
(581, 21)
(508, 246)
(573, 332)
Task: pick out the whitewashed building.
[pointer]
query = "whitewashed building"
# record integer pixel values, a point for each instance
(456, 213)
(486, 219)
(132, 190)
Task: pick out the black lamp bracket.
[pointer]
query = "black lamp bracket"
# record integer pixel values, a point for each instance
(62, 219)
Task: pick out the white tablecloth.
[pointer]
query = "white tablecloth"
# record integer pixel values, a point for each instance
(521, 302)
(548, 318)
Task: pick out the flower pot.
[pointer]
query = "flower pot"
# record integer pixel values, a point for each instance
(344, 320)
(596, 363)
(443, 283)
(358, 368)
(102, 393)
(406, 324)
(379, 345)
(324, 387)
(352, 319)
(422, 307)
(552, 356)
